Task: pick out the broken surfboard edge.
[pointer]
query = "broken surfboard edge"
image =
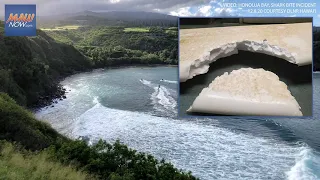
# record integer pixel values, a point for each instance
(189, 69)
(291, 42)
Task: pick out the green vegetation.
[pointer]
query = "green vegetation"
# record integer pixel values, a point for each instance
(114, 45)
(17, 124)
(102, 160)
(31, 66)
(61, 28)
(22, 164)
(30, 69)
(136, 29)
(117, 160)
(172, 30)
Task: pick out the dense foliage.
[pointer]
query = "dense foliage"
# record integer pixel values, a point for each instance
(17, 124)
(30, 66)
(117, 160)
(109, 46)
(103, 160)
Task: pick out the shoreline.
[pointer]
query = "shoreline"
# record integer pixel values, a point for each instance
(139, 65)
(60, 94)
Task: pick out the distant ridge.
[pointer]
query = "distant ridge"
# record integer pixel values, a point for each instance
(112, 18)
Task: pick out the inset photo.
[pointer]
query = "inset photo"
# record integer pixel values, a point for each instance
(245, 67)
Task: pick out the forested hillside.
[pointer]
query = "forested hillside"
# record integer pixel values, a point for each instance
(115, 45)
(31, 66)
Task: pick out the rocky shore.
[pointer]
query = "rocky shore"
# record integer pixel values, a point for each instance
(56, 94)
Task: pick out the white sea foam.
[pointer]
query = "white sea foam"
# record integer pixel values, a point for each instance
(169, 81)
(209, 151)
(162, 99)
(145, 82)
(95, 100)
(307, 166)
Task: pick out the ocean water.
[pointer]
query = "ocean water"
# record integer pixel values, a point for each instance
(128, 104)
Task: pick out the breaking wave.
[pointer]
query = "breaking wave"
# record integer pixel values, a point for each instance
(209, 151)
(307, 166)
(169, 81)
(162, 99)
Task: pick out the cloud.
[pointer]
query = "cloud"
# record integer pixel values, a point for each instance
(114, 1)
(204, 11)
(213, 9)
(173, 7)
(198, 8)
(185, 11)
(68, 6)
(318, 15)
(201, 11)
(223, 11)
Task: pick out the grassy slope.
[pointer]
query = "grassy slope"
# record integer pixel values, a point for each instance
(136, 29)
(61, 28)
(18, 165)
(17, 124)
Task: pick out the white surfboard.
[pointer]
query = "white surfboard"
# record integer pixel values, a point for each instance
(247, 91)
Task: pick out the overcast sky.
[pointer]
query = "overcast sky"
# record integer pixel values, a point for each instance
(172, 7)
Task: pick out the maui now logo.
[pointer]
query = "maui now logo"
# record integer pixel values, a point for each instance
(20, 20)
